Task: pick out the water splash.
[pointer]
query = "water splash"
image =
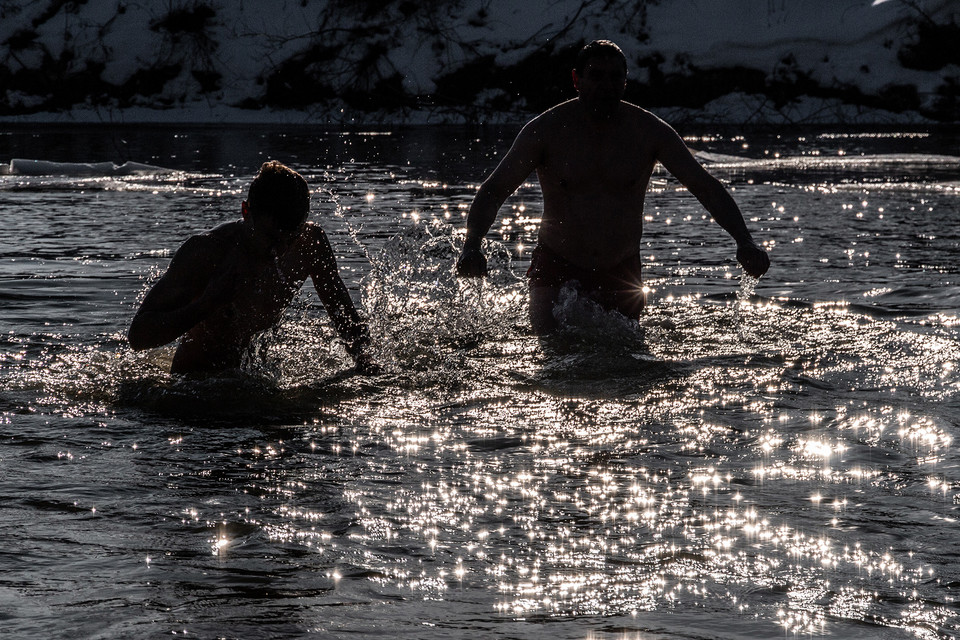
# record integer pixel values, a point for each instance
(338, 211)
(582, 316)
(422, 314)
(748, 285)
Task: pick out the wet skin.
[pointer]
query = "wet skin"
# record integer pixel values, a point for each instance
(228, 284)
(593, 157)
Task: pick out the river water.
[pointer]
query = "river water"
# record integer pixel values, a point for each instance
(772, 459)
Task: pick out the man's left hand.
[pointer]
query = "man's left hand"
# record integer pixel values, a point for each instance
(472, 263)
(753, 259)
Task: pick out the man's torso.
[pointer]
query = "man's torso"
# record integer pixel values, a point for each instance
(593, 179)
(265, 285)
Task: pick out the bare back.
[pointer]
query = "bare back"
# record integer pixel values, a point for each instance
(263, 285)
(594, 156)
(223, 287)
(594, 177)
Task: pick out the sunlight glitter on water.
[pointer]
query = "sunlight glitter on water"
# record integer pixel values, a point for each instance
(760, 457)
(700, 527)
(564, 528)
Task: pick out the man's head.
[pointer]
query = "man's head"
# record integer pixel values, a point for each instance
(600, 77)
(280, 194)
(599, 49)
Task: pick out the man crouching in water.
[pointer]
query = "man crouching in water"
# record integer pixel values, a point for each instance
(594, 156)
(228, 284)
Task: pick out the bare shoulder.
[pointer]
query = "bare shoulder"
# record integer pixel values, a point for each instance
(548, 129)
(314, 243)
(208, 247)
(203, 243)
(562, 114)
(313, 235)
(550, 121)
(647, 122)
(313, 229)
(228, 232)
(314, 254)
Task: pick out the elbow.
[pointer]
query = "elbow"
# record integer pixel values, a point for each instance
(715, 198)
(495, 193)
(708, 188)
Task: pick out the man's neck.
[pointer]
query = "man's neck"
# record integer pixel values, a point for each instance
(599, 119)
(255, 243)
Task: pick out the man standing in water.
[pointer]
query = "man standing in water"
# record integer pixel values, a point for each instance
(228, 284)
(594, 156)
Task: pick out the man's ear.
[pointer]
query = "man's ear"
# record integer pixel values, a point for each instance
(576, 80)
(245, 211)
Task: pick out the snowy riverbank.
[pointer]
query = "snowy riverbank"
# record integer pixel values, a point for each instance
(396, 61)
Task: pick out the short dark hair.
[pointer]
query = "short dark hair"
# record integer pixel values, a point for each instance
(599, 49)
(280, 193)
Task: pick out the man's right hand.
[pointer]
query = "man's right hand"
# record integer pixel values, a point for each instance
(753, 259)
(472, 263)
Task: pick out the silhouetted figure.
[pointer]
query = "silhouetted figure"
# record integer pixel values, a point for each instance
(594, 156)
(228, 284)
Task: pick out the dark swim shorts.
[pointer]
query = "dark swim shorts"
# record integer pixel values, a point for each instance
(620, 287)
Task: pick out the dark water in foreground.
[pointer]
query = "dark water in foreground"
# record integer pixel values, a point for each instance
(774, 463)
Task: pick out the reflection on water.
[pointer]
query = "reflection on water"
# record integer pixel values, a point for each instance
(755, 459)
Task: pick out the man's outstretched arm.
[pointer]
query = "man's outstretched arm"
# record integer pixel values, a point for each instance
(336, 298)
(714, 197)
(521, 160)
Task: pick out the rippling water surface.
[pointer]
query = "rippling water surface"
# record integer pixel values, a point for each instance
(772, 459)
